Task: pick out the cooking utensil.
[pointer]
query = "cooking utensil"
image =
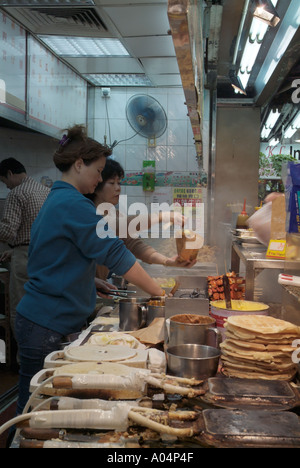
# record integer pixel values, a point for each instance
(214, 428)
(115, 292)
(194, 293)
(249, 428)
(192, 360)
(154, 311)
(193, 329)
(132, 313)
(227, 294)
(175, 288)
(251, 394)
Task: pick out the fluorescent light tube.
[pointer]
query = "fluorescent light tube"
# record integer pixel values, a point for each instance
(2, 92)
(113, 79)
(293, 127)
(45, 3)
(289, 132)
(272, 119)
(72, 46)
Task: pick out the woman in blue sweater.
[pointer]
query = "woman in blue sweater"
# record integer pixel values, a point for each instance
(63, 253)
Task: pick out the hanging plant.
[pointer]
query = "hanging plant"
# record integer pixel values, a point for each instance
(265, 167)
(278, 159)
(271, 166)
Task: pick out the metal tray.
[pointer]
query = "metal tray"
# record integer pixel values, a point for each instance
(250, 428)
(251, 394)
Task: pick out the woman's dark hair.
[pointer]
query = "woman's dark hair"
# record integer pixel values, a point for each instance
(112, 169)
(11, 164)
(77, 145)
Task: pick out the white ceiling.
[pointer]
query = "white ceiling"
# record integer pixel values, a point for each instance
(142, 26)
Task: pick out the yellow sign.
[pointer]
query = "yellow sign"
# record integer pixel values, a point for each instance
(187, 195)
(276, 249)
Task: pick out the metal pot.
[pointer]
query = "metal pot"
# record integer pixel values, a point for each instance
(132, 313)
(154, 312)
(193, 329)
(192, 360)
(155, 308)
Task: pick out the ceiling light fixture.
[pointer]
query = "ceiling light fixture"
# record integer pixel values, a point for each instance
(73, 46)
(234, 79)
(293, 127)
(274, 142)
(236, 82)
(118, 79)
(45, 3)
(254, 42)
(270, 123)
(265, 11)
(2, 92)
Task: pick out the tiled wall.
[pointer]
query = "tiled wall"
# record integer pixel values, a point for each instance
(174, 151)
(33, 150)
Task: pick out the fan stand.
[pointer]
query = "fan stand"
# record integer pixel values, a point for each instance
(152, 142)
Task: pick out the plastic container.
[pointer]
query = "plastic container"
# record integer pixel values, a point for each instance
(260, 222)
(220, 313)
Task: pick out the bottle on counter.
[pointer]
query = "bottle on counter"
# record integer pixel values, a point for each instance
(242, 218)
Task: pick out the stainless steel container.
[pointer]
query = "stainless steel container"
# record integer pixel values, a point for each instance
(193, 329)
(154, 312)
(132, 313)
(192, 360)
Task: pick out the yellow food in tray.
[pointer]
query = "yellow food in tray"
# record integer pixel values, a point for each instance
(165, 282)
(241, 305)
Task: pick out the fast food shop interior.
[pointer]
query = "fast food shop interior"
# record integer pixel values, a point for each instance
(199, 102)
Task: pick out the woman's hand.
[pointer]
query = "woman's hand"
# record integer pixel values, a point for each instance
(104, 288)
(177, 262)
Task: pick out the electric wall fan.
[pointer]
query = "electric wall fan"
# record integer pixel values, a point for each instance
(147, 117)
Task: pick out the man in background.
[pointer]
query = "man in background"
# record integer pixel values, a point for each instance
(21, 207)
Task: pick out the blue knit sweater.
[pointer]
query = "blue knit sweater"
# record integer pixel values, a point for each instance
(63, 253)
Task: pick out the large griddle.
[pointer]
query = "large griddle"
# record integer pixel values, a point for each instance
(250, 428)
(251, 394)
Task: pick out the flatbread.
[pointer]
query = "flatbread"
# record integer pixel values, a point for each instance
(266, 340)
(262, 325)
(269, 347)
(114, 338)
(271, 367)
(253, 355)
(95, 353)
(259, 346)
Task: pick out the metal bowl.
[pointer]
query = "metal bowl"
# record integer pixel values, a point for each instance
(193, 360)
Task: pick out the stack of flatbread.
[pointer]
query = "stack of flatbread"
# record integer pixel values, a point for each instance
(259, 347)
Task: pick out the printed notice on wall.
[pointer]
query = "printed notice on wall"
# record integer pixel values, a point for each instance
(12, 63)
(57, 95)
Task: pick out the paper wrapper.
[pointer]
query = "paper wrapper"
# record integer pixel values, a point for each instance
(278, 228)
(188, 245)
(153, 334)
